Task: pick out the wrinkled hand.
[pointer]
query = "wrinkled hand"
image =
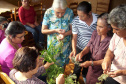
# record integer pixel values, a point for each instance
(78, 57)
(41, 61)
(73, 53)
(36, 23)
(48, 64)
(60, 37)
(60, 31)
(86, 64)
(60, 79)
(115, 73)
(106, 65)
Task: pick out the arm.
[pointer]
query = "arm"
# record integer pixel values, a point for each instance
(107, 61)
(68, 32)
(74, 43)
(60, 79)
(89, 63)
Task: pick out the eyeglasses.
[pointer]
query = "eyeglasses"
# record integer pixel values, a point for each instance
(21, 36)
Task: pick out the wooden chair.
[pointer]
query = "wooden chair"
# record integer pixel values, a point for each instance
(73, 6)
(102, 6)
(16, 16)
(5, 79)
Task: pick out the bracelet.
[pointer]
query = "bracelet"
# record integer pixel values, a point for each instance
(92, 64)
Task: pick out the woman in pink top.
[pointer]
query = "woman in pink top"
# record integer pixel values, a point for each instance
(114, 62)
(3, 26)
(15, 33)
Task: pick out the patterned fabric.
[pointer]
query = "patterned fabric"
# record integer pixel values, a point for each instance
(118, 48)
(83, 31)
(32, 80)
(59, 23)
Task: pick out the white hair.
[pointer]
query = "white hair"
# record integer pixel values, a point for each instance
(59, 4)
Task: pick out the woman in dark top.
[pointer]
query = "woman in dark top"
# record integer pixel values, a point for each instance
(98, 46)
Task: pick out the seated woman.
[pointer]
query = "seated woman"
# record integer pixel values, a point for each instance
(15, 33)
(98, 46)
(3, 26)
(115, 58)
(27, 67)
(28, 18)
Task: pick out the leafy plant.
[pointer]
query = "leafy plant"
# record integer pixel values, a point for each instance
(54, 70)
(74, 61)
(102, 78)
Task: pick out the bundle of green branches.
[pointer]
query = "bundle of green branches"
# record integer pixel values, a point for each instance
(54, 70)
(102, 78)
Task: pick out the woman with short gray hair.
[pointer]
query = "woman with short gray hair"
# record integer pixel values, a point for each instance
(114, 62)
(57, 23)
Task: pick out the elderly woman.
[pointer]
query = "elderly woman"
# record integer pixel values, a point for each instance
(115, 59)
(98, 46)
(28, 18)
(27, 67)
(15, 33)
(82, 27)
(57, 22)
(3, 26)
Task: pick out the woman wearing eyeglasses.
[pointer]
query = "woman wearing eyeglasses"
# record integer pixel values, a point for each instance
(15, 33)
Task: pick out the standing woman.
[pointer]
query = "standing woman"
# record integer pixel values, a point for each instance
(98, 46)
(115, 59)
(57, 22)
(15, 33)
(82, 27)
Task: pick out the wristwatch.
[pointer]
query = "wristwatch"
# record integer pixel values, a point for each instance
(92, 64)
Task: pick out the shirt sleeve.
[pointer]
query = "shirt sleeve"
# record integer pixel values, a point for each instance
(71, 16)
(9, 60)
(46, 18)
(93, 36)
(74, 28)
(21, 14)
(41, 70)
(112, 43)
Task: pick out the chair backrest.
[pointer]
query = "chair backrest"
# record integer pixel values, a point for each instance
(73, 6)
(16, 17)
(5, 78)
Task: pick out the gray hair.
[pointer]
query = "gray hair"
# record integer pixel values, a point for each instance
(59, 4)
(117, 16)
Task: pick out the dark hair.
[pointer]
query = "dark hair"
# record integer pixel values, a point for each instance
(2, 19)
(85, 7)
(14, 28)
(25, 59)
(104, 16)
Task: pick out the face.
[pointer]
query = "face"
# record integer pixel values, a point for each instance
(102, 28)
(82, 15)
(119, 32)
(59, 12)
(4, 22)
(25, 3)
(18, 38)
(34, 71)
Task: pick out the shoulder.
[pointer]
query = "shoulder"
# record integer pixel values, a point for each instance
(21, 8)
(95, 15)
(76, 19)
(68, 9)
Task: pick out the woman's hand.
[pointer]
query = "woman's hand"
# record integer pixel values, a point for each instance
(48, 64)
(79, 56)
(32, 25)
(115, 73)
(36, 23)
(73, 53)
(60, 31)
(60, 37)
(86, 64)
(106, 65)
(41, 61)
(60, 79)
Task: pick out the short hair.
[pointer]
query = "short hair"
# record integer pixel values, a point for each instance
(117, 16)
(85, 7)
(59, 4)
(14, 28)
(25, 59)
(104, 16)
(2, 19)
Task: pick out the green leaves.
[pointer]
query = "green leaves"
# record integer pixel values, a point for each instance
(102, 78)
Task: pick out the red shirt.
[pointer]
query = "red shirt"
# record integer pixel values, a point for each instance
(27, 16)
